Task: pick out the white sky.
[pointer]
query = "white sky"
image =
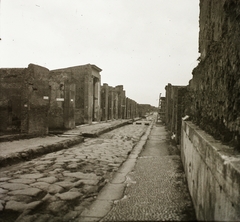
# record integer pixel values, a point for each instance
(140, 44)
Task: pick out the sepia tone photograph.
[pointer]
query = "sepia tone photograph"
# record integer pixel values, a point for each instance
(119, 110)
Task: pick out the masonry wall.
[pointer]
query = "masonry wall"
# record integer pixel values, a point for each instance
(62, 100)
(214, 91)
(104, 101)
(87, 91)
(213, 175)
(10, 99)
(24, 100)
(35, 100)
(175, 109)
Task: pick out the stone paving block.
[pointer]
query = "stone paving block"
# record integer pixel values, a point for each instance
(3, 179)
(89, 182)
(14, 186)
(15, 206)
(24, 181)
(28, 192)
(54, 188)
(57, 206)
(69, 195)
(48, 179)
(3, 191)
(41, 185)
(81, 175)
(65, 184)
(31, 176)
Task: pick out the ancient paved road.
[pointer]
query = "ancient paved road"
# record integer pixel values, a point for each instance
(58, 186)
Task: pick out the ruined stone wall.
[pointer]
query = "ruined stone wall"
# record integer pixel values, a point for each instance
(62, 102)
(213, 175)
(35, 100)
(175, 109)
(104, 101)
(24, 100)
(121, 98)
(214, 91)
(10, 98)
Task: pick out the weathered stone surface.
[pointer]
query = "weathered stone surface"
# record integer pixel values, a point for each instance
(2, 205)
(54, 188)
(48, 179)
(15, 206)
(28, 192)
(24, 181)
(213, 173)
(41, 185)
(69, 195)
(80, 175)
(3, 179)
(3, 191)
(213, 98)
(65, 184)
(14, 186)
(70, 216)
(89, 182)
(57, 206)
(32, 176)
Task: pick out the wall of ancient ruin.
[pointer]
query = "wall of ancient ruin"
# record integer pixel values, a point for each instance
(24, 100)
(213, 175)
(10, 99)
(62, 100)
(175, 109)
(214, 91)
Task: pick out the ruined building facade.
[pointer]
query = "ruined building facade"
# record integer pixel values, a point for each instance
(24, 100)
(35, 99)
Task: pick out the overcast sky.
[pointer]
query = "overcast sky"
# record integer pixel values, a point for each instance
(140, 44)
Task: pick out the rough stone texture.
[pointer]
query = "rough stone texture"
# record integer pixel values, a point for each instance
(10, 99)
(23, 107)
(214, 91)
(213, 175)
(87, 94)
(175, 107)
(62, 102)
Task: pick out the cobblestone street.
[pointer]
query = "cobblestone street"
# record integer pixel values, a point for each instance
(60, 185)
